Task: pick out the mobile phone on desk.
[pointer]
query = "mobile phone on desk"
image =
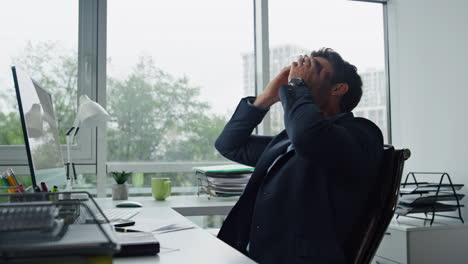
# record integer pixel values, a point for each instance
(125, 230)
(122, 223)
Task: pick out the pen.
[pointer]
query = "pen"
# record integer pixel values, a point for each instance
(11, 181)
(7, 184)
(44, 187)
(125, 230)
(13, 176)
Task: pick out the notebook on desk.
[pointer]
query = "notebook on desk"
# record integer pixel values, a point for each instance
(137, 244)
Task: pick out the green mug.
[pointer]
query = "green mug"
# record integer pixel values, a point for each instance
(161, 188)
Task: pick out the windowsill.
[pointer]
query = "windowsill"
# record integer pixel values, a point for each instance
(142, 191)
(157, 167)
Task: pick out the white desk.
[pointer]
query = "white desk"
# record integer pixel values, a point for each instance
(184, 205)
(194, 245)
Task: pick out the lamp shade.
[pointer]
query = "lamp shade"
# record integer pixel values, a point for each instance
(90, 113)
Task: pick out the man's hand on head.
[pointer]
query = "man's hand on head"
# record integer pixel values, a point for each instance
(271, 93)
(307, 69)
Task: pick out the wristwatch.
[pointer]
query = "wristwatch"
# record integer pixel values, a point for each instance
(297, 82)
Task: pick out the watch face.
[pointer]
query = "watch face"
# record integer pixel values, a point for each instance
(297, 82)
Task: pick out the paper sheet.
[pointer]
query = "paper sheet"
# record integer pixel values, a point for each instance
(159, 226)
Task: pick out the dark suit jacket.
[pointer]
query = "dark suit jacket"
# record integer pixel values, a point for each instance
(310, 205)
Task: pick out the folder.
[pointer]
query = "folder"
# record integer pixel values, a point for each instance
(224, 169)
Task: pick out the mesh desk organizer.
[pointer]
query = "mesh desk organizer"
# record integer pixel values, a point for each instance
(35, 225)
(222, 181)
(429, 198)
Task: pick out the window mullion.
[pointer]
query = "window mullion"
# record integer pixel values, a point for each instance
(101, 144)
(262, 57)
(92, 78)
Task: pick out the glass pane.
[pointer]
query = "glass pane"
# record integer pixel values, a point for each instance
(86, 182)
(353, 29)
(174, 76)
(43, 42)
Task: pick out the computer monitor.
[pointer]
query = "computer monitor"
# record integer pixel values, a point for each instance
(40, 131)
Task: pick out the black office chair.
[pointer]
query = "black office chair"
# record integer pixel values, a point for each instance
(382, 211)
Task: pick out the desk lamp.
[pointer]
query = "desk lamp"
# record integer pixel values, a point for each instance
(90, 114)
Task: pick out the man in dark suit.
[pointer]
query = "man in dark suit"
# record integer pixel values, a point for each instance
(312, 183)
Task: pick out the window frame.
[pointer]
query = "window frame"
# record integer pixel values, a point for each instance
(83, 151)
(386, 64)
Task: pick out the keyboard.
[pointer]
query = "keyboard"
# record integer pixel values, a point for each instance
(120, 213)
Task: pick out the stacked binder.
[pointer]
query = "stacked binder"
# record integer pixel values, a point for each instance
(223, 181)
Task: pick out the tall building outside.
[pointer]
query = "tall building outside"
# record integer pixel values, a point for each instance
(372, 105)
(280, 57)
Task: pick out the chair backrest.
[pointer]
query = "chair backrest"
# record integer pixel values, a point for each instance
(382, 211)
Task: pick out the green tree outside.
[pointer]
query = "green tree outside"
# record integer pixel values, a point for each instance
(56, 70)
(155, 116)
(11, 131)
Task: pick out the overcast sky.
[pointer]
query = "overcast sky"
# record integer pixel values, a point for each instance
(202, 39)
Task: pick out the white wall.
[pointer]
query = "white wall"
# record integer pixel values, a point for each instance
(428, 45)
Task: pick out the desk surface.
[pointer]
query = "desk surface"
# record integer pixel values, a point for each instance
(185, 205)
(186, 246)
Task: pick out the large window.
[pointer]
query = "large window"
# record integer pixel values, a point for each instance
(354, 29)
(44, 44)
(174, 72)
(174, 77)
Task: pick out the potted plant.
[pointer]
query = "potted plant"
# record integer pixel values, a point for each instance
(120, 189)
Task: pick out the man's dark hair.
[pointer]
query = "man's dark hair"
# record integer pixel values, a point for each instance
(343, 72)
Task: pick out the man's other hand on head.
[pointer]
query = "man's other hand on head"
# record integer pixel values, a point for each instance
(308, 69)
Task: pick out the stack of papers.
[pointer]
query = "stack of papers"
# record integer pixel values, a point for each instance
(403, 209)
(428, 187)
(426, 197)
(226, 180)
(423, 200)
(158, 227)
